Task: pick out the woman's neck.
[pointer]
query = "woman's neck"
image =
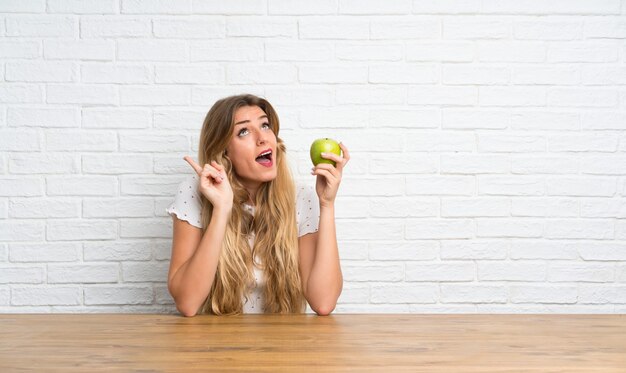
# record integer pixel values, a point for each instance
(252, 194)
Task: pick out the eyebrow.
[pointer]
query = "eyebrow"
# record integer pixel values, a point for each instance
(247, 121)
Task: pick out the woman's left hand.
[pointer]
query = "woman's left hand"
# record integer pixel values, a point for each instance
(329, 176)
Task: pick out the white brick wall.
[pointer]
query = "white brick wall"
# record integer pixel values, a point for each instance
(488, 171)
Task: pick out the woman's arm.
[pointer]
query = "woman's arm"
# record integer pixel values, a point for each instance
(319, 257)
(194, 259)
(320, 266)
(192, 269)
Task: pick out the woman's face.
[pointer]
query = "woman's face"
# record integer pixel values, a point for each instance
(252, 136)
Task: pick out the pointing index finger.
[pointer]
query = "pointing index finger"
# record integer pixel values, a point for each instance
(193, 164)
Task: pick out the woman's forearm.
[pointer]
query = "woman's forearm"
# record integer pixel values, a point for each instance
(192, 282)
(325, 280)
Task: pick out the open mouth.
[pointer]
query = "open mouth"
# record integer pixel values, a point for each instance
(265, 158)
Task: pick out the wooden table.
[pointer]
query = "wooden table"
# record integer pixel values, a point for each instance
(296, 343)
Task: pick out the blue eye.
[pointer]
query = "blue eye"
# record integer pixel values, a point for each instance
(246, 129)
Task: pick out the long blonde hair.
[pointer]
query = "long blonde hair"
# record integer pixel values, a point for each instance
(273, 222)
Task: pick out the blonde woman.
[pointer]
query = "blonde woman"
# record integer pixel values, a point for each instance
(247, 239)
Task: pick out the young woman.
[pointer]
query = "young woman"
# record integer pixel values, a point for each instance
(246, 239)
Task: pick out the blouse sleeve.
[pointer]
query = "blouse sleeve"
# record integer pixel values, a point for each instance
(186, 205)
(308, 210)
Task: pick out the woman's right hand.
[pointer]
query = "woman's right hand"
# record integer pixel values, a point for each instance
(214, 184)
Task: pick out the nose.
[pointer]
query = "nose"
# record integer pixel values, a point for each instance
(261, 138)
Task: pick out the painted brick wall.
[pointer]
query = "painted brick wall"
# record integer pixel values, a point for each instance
(488, 143)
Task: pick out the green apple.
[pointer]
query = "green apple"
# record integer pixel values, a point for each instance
(324, 145)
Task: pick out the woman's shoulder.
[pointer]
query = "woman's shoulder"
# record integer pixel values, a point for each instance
(188, 186)
(191, 179)
(303, 191)
(307, 209)
(186, 205)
